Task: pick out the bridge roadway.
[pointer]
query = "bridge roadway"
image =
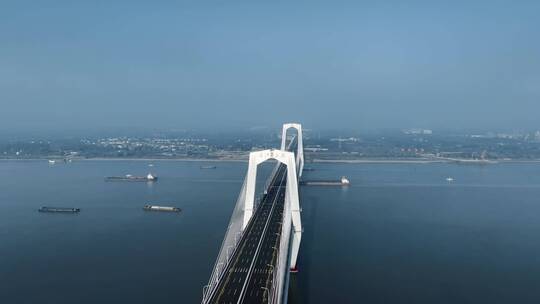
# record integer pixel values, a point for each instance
(248, 277)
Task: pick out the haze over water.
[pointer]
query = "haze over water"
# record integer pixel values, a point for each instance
(79, 65)
(399, 234)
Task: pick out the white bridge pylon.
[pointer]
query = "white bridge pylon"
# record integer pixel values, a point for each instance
(300, 150)
(291, 192)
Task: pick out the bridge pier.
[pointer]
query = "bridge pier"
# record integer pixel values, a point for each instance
(297, 225)
(300, 146)
(291, 192)
(238, 266)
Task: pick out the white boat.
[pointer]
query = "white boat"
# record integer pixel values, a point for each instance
(449, 179)
(52, 162)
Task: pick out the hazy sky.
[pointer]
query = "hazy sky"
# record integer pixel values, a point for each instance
(187, 64)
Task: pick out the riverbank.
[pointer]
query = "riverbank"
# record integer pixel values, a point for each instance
(377, 161)
(132, 159)
(315, 160)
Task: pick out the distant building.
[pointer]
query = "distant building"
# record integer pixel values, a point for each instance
(315, 149)
(537, 136)
(416, 131)
(350, 139)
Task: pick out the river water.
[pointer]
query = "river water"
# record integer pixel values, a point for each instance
(399, 234)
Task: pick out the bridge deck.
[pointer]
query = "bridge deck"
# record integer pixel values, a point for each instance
(248, 276)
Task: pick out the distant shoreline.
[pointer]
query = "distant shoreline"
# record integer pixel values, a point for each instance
(424, 161)
(377, 161)
(60, 160)
(167, 159)
(316, 160)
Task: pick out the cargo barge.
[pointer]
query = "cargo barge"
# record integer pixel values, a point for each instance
(59, 209)
(208, 167)
(131, 178)
(344, 181)
(161, 208)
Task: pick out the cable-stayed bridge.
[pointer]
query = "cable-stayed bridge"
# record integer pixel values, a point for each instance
(262, 241)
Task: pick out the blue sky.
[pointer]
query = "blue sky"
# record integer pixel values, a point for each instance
(237, 64)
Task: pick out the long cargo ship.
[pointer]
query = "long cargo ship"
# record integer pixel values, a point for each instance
(131, 178)
(344, 181)
(208, 167)
(59, 209)
(161, 208)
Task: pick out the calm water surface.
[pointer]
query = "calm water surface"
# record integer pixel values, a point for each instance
(399, 234)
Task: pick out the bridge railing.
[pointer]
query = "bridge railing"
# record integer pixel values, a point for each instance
(281, 268)
(231, 239)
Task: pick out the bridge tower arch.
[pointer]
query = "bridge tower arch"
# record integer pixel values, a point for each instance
(292, 199)
(300, 150)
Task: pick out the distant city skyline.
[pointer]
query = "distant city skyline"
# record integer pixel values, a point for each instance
(90, 66)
